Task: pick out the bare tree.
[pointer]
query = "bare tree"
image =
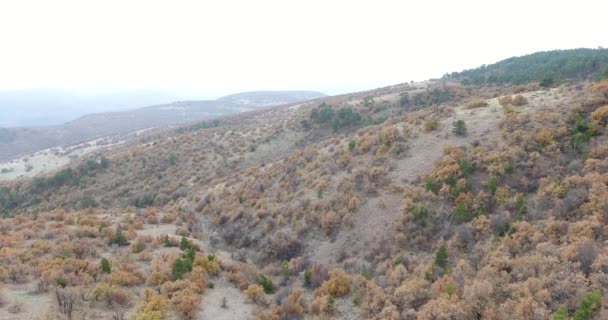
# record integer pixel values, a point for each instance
(66, 298)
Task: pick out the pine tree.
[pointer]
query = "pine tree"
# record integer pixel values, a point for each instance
(459, 128)
(106, 266)
(184, 244)
(441, 257)
(588, 305)
(119, 238)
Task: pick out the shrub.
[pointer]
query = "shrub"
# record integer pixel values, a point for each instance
(295, 304)
(138, 246)
(431, 124)
(581, 132)
(186, 303)
(151, 307)
(337, 285)
(87, 202)
(561, 313)
(322, 114)
(462, 213)
(519, 100)
(126, 278)
(330, 221)
(601, 88)
(323, 304)
(106, 266)
(588, 305)
(459, 128)
(254, 292)
(520, 203)
(345, 117)
(119, 238)
(420, 214)
(505, 101)
(431, 185)
(146, 200)
(477, 103)
(308, 276)
(600, 115)
(209, 263)
(492, 184)
(180, 267)
(184, 244)
(266, 283)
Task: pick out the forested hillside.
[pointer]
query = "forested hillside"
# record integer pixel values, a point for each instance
(548, 68)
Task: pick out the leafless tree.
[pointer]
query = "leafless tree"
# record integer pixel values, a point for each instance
(66, 298)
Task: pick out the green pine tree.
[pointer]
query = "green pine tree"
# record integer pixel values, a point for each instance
(441, 257)
(106, 266)
(459, 128)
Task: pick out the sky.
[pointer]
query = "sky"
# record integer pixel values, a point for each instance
(211, 48)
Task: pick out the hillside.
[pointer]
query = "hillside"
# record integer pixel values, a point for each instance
(15, 142)
(548, 68)
(432, 200)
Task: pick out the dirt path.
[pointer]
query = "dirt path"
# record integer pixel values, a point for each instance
(236, 306)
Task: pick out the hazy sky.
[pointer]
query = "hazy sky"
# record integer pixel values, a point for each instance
(216, 47)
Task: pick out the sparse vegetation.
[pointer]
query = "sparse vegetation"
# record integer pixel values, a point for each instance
(383, 221)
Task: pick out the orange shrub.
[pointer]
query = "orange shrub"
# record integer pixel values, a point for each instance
(338, 284)
(254, 293)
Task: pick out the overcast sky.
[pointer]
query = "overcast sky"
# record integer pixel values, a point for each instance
(218, 47)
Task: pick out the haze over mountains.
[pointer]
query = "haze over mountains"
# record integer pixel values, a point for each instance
(25, 107)
(43, 107)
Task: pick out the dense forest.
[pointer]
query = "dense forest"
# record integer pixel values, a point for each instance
(548, 68)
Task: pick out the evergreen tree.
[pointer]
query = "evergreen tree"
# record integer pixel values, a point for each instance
(459, 128)
(441, 257)
(106, 266)
(119, 238)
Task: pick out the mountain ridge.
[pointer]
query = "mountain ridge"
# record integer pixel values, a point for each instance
(24, 140)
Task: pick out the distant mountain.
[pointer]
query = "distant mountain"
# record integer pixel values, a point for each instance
(15, 142)
(548, 68)
(43, 107)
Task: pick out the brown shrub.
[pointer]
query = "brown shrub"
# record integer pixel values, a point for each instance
(601, 89)
(505, 101)
(126, 278)
(329, 221)
(254, 293)
(600, 116)
(431, 124)
(519, 100)
(322, 304)
(186, 303)
(211, 266)
(338, 284)
(476, 103)
(295, 303)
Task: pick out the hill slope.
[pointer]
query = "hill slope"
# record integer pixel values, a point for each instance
(433, 200)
